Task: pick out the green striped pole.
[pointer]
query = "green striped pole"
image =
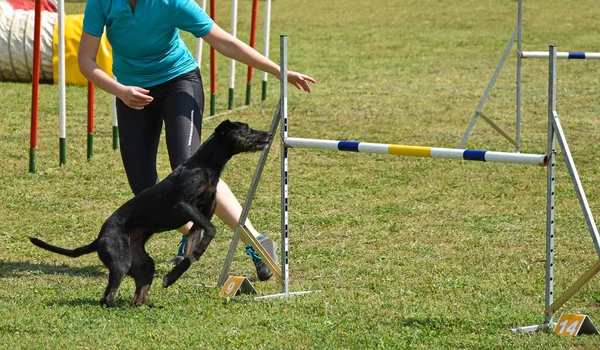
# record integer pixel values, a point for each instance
(62, 145)
(266, 46)
(115, 137)
(213, 66)
(252, 43)
(32, 159)
(90, 121)
(115, 127)
(234, 8)
(35, 86)
(62, 115)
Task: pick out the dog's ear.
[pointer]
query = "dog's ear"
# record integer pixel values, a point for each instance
(224, 127)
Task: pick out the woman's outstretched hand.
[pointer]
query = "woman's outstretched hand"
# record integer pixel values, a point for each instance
(300, 81)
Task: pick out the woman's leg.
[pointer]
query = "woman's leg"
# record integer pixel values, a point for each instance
(139, 134)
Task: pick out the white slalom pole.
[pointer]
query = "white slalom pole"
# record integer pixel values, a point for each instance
(199, 41)
(115, 124)
(266, 46)
(62, 114)
(234, 7)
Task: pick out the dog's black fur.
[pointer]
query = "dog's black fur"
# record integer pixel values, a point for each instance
(187, 194)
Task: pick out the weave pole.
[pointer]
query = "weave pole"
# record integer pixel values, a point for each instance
(266, 46)
(62, 114)
(90, 120)
(213, 65)
(234, 8)
(115, 125)
(199, 41)
(35, 87)
(252, 44)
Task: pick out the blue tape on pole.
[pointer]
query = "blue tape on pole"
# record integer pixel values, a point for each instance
(351, 146)
(577, 55)
(474, 155)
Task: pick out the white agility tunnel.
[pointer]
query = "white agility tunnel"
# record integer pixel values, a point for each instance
(16, 44)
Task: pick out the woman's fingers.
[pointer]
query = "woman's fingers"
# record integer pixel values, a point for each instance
(300, 81)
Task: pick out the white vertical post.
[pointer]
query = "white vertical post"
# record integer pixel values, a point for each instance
(266, 46)
(199, 41)
(115, 124)
(284, 167)
(519, 49)
(550, 183)
(234, 7)
(62, 114)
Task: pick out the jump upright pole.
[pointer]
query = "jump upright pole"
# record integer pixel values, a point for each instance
(556, 133)
(282, 274)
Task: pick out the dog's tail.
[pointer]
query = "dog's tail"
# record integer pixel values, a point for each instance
(73, 253)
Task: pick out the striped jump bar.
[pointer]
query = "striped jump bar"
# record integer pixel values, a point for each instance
(569, 55)
(417, 151)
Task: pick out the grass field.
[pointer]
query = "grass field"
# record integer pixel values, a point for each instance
(409, 252)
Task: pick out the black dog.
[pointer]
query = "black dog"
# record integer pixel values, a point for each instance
(187, 194)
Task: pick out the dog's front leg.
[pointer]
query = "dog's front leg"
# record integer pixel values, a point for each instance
(200, 235)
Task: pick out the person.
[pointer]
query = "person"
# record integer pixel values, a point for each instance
(157, 80)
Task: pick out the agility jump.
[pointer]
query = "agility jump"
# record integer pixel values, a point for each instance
(555, 133)
(518, 38)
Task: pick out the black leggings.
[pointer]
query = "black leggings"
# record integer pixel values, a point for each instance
(178, 103)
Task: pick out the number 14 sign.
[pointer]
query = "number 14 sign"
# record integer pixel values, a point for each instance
(574, 324)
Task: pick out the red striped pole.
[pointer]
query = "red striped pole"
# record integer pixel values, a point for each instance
(252, 43)
(90, 120)
(35, 86)
(213, 65)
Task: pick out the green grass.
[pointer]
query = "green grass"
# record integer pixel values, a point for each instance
(409, 253)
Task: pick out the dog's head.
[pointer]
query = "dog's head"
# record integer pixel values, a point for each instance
(242, 137)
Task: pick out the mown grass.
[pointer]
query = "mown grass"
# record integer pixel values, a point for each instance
(409, 253)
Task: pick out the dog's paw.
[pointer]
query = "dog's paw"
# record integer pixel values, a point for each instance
(166, 281)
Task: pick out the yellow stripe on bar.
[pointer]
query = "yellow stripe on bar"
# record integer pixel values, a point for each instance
(413, 151)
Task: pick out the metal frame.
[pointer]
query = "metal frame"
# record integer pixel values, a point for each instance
(555, 132)
(281, 116)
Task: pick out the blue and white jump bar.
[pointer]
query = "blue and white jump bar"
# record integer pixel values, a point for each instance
(568, 55)
(418, 151)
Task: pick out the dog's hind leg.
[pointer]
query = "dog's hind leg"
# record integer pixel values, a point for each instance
(142, 267)
(115, 253)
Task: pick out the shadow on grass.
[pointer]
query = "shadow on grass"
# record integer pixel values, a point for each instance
(122, 303)
(24, 269)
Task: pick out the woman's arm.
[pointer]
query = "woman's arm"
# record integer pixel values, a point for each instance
(134, 97)
(234, 48)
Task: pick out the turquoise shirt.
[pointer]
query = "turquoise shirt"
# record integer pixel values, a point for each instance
(146, 46)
